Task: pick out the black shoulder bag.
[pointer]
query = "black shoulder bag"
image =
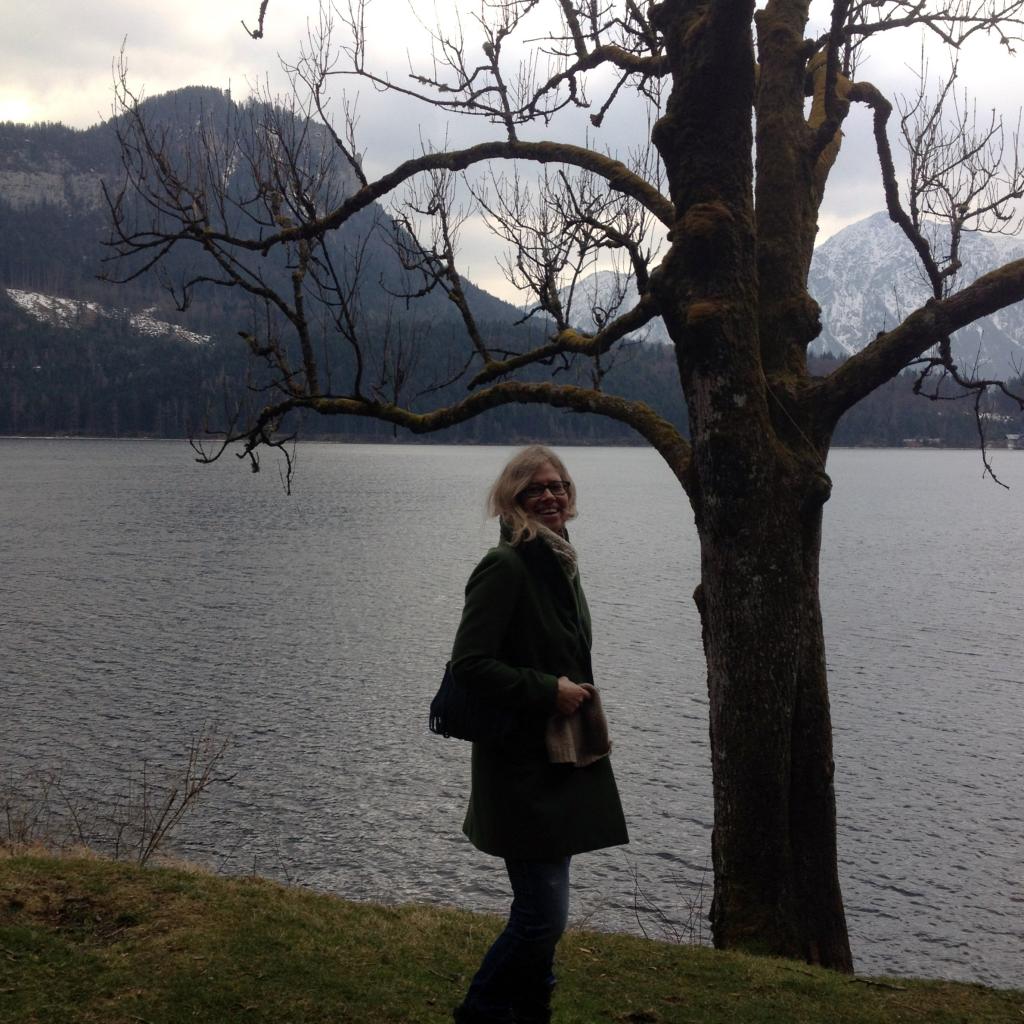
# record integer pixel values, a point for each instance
(458, 710)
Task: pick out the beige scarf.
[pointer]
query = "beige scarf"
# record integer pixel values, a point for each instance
(582, 738)
(560, 548)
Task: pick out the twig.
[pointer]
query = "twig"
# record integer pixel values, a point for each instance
(877, 984)
(798, 970)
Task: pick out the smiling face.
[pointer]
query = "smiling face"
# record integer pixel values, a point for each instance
(541, 504)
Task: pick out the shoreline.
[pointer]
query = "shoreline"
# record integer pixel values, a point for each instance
(437, 442)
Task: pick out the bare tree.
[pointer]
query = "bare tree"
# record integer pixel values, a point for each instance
(745, 115)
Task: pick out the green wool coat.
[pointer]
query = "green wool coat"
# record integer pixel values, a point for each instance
(525, 624)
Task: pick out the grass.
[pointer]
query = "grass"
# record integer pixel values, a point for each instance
(86, 940)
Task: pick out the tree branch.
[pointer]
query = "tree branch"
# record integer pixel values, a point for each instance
(570, 340)
(953, 22)
(834, 107)
(656, 430)
(864, 92)
(257, 33)
(624, 60)
(619, 177)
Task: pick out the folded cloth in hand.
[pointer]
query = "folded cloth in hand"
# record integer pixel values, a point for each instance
(582, 738)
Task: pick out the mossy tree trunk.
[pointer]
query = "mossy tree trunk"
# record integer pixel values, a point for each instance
(735, 280)
(773, 846)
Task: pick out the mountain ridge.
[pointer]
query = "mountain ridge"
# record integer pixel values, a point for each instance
(78, 356)
(867, 278)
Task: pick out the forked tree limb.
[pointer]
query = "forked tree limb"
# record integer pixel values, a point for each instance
(257, 32)
(881, 108)
(833, 110)
(571, 340)
(655, 429)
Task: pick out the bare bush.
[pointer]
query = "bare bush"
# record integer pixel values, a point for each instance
(43, 807)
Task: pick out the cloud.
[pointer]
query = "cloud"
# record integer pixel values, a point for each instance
(55, 58)
(55, 64)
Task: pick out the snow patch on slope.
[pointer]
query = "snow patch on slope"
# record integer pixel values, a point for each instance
(69, 313)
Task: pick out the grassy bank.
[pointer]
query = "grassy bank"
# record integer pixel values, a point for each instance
(93, 941)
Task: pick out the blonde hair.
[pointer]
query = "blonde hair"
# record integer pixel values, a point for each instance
(503, 499)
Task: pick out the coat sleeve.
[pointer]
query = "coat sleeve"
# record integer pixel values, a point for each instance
(492, 594)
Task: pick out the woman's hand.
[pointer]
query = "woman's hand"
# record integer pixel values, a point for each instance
(570, 696)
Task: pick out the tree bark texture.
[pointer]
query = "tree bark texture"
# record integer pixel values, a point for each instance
(773, 846)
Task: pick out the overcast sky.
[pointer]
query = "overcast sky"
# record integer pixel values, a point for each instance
(56, 55)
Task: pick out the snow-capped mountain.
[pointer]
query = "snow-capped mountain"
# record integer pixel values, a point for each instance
(867, 278)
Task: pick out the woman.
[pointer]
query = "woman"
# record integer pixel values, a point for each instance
(524, 637)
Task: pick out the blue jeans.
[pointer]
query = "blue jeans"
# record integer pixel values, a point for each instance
(518, 967)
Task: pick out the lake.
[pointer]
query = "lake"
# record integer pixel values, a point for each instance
(146, 598)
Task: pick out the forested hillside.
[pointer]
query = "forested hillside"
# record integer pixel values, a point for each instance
(102, 378)
(91, 370)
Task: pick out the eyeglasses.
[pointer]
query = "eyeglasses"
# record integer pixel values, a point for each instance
(558, 489)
